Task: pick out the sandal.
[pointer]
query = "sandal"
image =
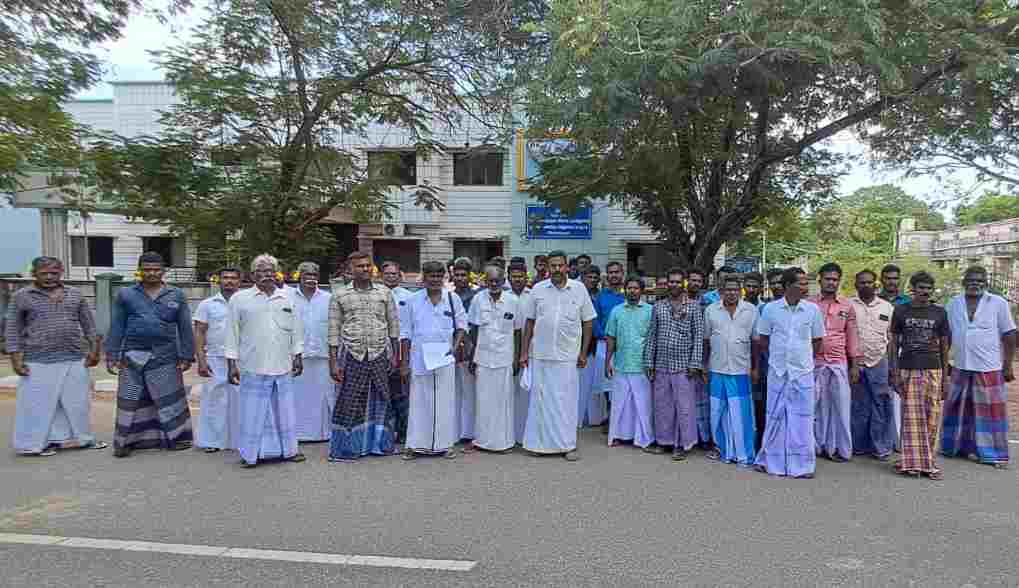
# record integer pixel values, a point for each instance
(409, 456)
(571, 456)
(936, 476)
(909, 473)
(297, 458)
(714, 455)
(44, 453)
(180, 446)
(249, 466)
(212, 449)
(450, 454)
(1001, 465)
(96, 445)
(654, 449)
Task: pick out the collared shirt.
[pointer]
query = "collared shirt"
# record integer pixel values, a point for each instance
(49, 331)
(400, 293)
(730, 337)
(466, 296)
(363, 322)
(559, 315)
(604, 302)
(791, 331)
(873, 322)
(160, 326)
(496, 321)
(895, 300)
(629, 325)
(841, 340)
(709, 298)
(314, 314)
(423, 322)
(263, 332)
(213, 312)
(976, 344)
(675, 341)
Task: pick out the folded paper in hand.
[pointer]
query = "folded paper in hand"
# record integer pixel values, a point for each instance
(436, 355)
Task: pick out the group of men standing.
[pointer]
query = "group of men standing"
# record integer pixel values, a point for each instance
(368, 367)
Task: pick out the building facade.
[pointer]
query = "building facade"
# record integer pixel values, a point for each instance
(992, 245)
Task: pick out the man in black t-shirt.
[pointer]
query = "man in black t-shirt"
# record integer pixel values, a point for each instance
(920, 341)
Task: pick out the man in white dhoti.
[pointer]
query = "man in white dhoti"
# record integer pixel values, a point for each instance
(51, 336)
(314, 389)
(518, 285)
(559, 314)
(218, 418)
(264, 342)
(495, 320)
(626, 333)
(432, 324)
(465, 383)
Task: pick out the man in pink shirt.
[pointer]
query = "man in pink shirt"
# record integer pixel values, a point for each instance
(837, 364)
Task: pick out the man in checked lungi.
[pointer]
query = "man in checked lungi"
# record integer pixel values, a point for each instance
(218, 419)
(983, 344)
(152, 344)
(363, 331)
(919, 358)
(51, 336)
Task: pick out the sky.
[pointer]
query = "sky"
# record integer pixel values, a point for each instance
(128, 60)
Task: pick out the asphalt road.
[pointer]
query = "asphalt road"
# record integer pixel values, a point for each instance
(616, 518)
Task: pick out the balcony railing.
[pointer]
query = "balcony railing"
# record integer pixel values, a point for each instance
(1009, 237)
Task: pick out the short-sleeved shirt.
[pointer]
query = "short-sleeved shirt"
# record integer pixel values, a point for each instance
(976, 344)
(730, 337)
(841, 339)
(896, 300)
(496, 322)
(314, 314)
(606, 300)
(791, 331)
(919, 329)
(423, 322)
(212, 312)
(873, 321)
(559, 315)
(628, 325)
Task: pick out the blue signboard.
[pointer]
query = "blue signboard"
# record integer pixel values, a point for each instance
(546, 222)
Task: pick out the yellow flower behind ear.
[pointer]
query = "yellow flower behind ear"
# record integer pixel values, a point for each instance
(742, 292)
(296, 276)
(138, 275)
(279, 276)
(684, 284)
(214, 279)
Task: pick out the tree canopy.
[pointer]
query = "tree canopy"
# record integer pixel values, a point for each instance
(987, 208)
(700, 117)
(276, 95)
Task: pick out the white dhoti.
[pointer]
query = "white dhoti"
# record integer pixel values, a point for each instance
(494, 427)
(431, 418)
(53, 406)
(632, 403)
(552, 415)
(215, 427)
(314, 400)
(267, 418)
(521, 404)
(591, 409)
(466, 397)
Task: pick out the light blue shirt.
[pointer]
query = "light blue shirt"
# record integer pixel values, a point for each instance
(628, 325)
(976, 344)
(314, 313)
(791, 331)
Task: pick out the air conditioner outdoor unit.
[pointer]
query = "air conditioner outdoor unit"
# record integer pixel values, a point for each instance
(394, 230)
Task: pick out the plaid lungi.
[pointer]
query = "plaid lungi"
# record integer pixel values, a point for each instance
(921, 418)
(360, 424)
(976, 418)
(152, 407)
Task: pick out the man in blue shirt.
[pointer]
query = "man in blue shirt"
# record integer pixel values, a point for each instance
(590, 402)
(607, 299)
(716, 294)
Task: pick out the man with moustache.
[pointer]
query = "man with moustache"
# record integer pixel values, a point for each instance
(399, 389)
(872, 415)
(314, 389)
(518, 285)
(218, 419)
(591, 408)
(696, 281)
(627, 332)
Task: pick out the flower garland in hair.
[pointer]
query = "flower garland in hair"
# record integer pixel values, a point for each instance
(139, 276)
(295, 276)
(279, 276)
(214, 279)
(475, 279)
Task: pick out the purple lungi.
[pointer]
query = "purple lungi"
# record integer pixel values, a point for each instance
(834, 409)
(676, 409)
(631, 410)
(788, 445)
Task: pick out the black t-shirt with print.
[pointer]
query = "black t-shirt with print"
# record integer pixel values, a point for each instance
(919, 329)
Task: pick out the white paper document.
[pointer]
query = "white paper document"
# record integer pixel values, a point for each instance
(436, 355)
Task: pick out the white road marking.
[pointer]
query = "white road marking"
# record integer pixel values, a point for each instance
(445, 565)
(1014, 441)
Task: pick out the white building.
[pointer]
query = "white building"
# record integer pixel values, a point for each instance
(485, 214)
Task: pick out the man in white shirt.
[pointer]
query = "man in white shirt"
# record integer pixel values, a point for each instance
(432, 324)
(495, 320)
(559, 314)
(264, 342)
(791, 330)
(399, 389)
(218, 417)
(518, 285)
(983, 344)
(728, 335)
(314, 390)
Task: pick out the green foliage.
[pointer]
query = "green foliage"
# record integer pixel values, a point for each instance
(275, 95)
(987, 208)
(947, 281)
(867, 219)
(700, 118)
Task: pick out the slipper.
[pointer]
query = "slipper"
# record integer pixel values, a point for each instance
(44, 453)
(332, 459)
(450, 454)
(297, 458)
(936, 476)
(679, 455)
(908, 473)
(714, 455)
(409, 456)
(180, 446)
(571, 456)
(212, 449)
(1000, 465)
(654, 449)
(97, 445)
(248, 466)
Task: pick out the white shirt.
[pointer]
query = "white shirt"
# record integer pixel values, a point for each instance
(314, 315)
(791, 332)
(873, 321)
(558, 314)
(399, 294)
(976, 345)
(496, 323)
(263, 332)
(730, 337)
(213, 312)
(424, 322)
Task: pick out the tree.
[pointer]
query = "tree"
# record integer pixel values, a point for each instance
(45, 57)
(988, 208)
(272, 95)
(869, 219)
(700, 117)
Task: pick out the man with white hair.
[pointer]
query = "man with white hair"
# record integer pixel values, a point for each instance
(495, 321)
(264, 343)
(314, 392)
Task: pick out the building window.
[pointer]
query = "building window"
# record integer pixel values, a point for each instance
(479, 252)
(406, 252)
(172, 249)
(396, 168)
(477, 169)
(97, 252)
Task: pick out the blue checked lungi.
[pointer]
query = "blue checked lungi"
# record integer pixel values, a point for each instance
(360, 423)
